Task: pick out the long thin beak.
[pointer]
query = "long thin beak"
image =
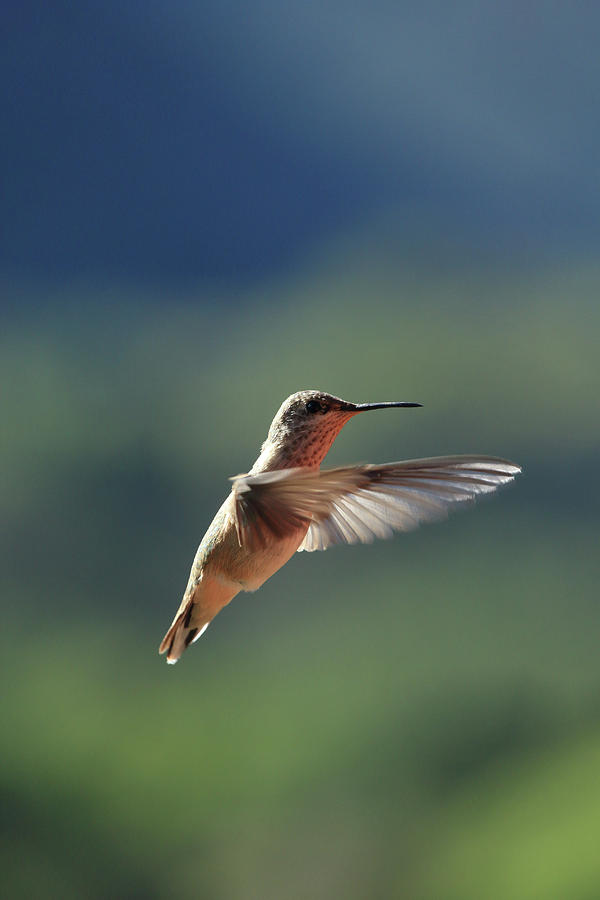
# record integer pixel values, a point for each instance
(363, 407)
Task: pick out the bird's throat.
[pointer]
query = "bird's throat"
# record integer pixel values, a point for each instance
(302, 449)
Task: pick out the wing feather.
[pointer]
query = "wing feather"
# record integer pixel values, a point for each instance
(359, 503)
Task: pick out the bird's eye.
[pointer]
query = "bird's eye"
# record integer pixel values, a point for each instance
(313, 406)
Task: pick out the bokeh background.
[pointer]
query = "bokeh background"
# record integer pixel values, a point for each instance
(207, 206)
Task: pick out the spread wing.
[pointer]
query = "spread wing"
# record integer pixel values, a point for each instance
(359, 503)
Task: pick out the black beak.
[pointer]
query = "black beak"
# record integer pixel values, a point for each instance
(363, 407)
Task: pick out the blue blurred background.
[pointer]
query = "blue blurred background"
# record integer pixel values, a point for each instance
(205, 208)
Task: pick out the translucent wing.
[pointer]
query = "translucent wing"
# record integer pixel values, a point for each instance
(359, 503)
(400, 496)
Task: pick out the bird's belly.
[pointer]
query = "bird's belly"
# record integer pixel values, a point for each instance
(261, 564)
(220, 555)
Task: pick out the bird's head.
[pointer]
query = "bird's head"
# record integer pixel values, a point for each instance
(307, 424)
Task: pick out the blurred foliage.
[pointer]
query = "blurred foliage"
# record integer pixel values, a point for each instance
(417, 718)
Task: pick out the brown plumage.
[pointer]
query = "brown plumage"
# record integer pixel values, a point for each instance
(287, 503)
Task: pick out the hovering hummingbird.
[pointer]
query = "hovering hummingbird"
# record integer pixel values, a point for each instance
(287, 503)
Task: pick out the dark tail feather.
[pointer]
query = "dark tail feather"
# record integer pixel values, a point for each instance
(181, 633)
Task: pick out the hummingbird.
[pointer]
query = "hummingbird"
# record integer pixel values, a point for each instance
(286, 502)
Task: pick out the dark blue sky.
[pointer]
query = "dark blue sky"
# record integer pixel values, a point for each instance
(176, 142)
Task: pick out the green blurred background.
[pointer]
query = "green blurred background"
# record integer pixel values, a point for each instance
(418, 718)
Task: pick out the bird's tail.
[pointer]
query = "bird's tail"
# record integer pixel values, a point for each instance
(183, 631)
